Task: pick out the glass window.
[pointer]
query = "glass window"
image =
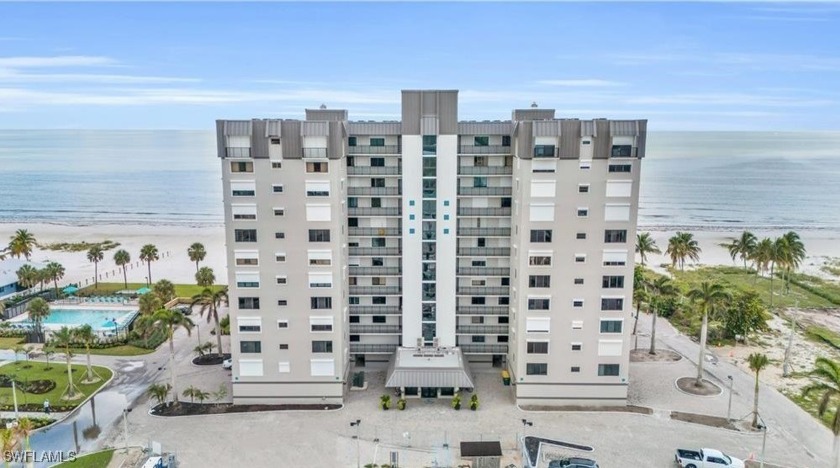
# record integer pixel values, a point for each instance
(319, 235)
(612, 303)
(429, 312)
(612, 282)
(320, 167)
(480, 182)
(536, 369)
(379, 319)
(249, 303)
(537, 347)
(351, 141)
(608, 369)
(540, 235)
(377, 182)
(322, 346)
(429, 292)
(539, 281)
(429, 167)
(377, 162)
(621, 151)
(482, 141)
(613, 236)
(505, 140)
(320, 302)
(250, 347)
(377, 142)
(611, 326)
(245, 235)
(477, 339)
(429, 144)
(429, 209)
(429, 332)
(620, 168)
(429, 188)
(539, 304)
(581, 235)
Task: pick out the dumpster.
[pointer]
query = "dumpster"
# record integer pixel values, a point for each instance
(506, 377)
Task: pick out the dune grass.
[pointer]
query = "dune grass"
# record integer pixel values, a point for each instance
(58, 372)
(93, 460)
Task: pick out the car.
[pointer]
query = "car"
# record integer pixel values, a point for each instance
(573, 462)
(184, 309)
(227, 364)
(706, 458)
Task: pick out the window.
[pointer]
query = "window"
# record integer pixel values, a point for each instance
(247, 279)
(612, 282)
(480, 182)
(249, 324)
(275, 141)
(541, 212)
(251, 303)
(429, 188)
(320, 324)
(377, 242)
(320, 303)
(429, 144)
(282, 324)
(279, 235)
(619, 188)
(613, 236)
(580, 258)
(477, 320)
(575, 369)
(250, 347)
(241, 167)
(317, 167)
(504, 300)
(244, 212)
(320, 257)
(537, 347)
(354, 319)
(477, 339)
(243, 189)
(611, 326)
(480, 161)
(281, 279)
(322, 346)
(585, 164)
(284, 367)
(320, 280)
(280, 257)
(245, 235)
(577, 346)
(617, 212)
(540, 235)
(580, 236)
(538, 325)
(377, 142)
(605, 370)
(504, 320)
(284, 346)
(317, 188)
(379, 319)
(608, 303)
(277, 188)
(505, 140)
(583, 188)
(351, 141)
(577, 324)
(355, 338)
(543, 151)
(429, 209)
(536, 369)
(582, 212)
(621, 151)
(539, 304)
(539, 260)
(276, 165)
(481, 141)
(578, 280)
(378, 300)
(429, 167)
(282, 302)
(377, 162)
(279, 212)
(615, 257)
(377, 182)
(577, 303)
(319, 235)
(478, 300)
(620, 168)
(539, 281)
(247, 262)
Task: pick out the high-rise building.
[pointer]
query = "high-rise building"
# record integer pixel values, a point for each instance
(428, 246)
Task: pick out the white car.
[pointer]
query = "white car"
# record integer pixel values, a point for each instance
(227, 364)
(706, 458)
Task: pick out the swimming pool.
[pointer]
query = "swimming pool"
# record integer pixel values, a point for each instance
(98, 319)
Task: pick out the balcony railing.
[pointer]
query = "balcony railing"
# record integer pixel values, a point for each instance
(481, 329)
(623, 151)
(374, 170)
(482, 271)
(386, 149)
(314, 153)
(477, 348)
(489, 149)
(485, 170)
(470, 211)
(375, 251)
(484, 232)
(373, 191)
(484, 191)
(357, 329)
(374, 271)
(360, 348)
(238, 152)
(371, 211)
(484, 251)
(481, 310)
(376, 232)
(376, 290)
(375, 310)
(483, 290)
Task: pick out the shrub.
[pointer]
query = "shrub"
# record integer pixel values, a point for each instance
(474, 402)
(456, 401)
(385, 401)
(401, 404)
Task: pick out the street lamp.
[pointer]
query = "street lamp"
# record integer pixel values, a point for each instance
(356, 424)
(763, 428)
(729, 408)
(125, 412)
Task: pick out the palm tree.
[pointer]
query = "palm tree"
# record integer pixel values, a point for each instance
(164, 290)
(27, 276)
(681, 246)
(160, 392)
(148, 254)
(211, 301)
(205, 277)
(828, 386)
(123, 258)
(8, 438)
(48, 353)
(639, 292)
(170, 321)
(64, 338)
(86, 335)
(43, 277)
(645, 245)
(95, 255)
(708, 297)
(664, 289)
(197, 253)
(762, 255)
(54, 271)
(195, 394)
(38, 310)
(24, 430)
(743, 247)
(149, 303)
(22, 243)
(757, 363)
(792, 253)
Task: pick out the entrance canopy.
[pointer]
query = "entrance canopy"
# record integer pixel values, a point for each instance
(429, 367)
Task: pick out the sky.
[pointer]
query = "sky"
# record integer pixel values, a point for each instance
(682, 66)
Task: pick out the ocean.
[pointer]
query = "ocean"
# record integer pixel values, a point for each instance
(690, 180)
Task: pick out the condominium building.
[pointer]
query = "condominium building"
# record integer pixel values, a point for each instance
(430, 246)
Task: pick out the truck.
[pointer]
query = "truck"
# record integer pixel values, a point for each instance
(706, 458)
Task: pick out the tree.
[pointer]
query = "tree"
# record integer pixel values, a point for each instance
(21, 244)
(197, 253)
(663, 288)
(709, 297)
(149, 303)
(95, 255)
(757, 363)
(195, 393)
(38, 310)
(205, 277)
(86, 335)
(746, 314)
(164, 290)
(9, 440)
(43, 277)
(645, 245)
(48, 353)
(24, 429)
(210, 301)
(160, 392)
(828, 387)
(639, 293)
(64, 338)
(170, 321)
(743, 247)
(28, 276)
(791, 253)
(149, 254)
(221, 393)
(54, 271)
(683, 246)
(203, 349)
(762, 255)
(123, 258)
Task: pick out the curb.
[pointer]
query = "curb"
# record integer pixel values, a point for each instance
(79, 406)
(701, 396)
(244, 412)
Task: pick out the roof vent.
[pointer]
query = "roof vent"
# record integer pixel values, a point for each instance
(323, 106)
(534, 105)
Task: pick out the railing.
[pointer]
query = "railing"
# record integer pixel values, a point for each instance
(475, 348)
(484, 290)
(371, 211)
(374, 271)
(372, 348)
(388, 251)
(371, 170)
(483, 271)
(545, 151)
(376, 290)
(481, 310)
(489, 149)
(375, 310)
(484, 190)
(365, 231)
(373, 191)
(357, 329)
(481, 329)
(482, 232)
(238, 152)
(484, 251)
(386, 149)
(470, 211)
(314, 153)
(485, 170)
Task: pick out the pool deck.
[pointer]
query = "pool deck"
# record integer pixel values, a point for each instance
(23, 319)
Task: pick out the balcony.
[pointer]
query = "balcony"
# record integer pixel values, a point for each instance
(481, 310)
(375, 251)
(481, 330)
(484, 232)
(375, 290)
(374, 310)
(485, 191)
(360, 348)
(386, 149)
(469, 211)
(485, 170)
(545, 151)
(374, 191)
(484, 251)
(377, 232)
(371, 211)
(238, 152)
(482, 271)
(374, 271)
(314, 153)
(623, 151)
(483, 348)
(483, 290)
(371, 170)
(489, 149)
(357, 329)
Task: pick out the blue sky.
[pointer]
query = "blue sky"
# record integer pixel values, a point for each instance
(683, 66)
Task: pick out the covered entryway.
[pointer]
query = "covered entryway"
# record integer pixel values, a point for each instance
(437, 372)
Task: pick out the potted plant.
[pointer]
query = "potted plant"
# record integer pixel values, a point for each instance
(456, 402)
(474, 402)
(401, 404)
(385, 401)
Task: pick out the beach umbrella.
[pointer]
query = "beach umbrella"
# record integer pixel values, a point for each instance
(70, 289)
(144, 290)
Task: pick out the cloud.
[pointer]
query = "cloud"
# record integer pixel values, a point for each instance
(582, 83)
(742, 60)
(57, 61)
(9, 76)
(729, 99)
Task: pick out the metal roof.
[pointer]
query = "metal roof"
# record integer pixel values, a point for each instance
(9, 268)
(428, 367)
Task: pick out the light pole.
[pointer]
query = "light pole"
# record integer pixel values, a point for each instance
(125, 412)
(523, 447)
(763, 428)
(356, 424)
(729, 407)
(14, 397)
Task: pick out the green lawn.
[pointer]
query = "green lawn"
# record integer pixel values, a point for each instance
(57, 373)
(94, 460)
(810, 405)
(122, 350)
(181, 290)
(10, 342)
